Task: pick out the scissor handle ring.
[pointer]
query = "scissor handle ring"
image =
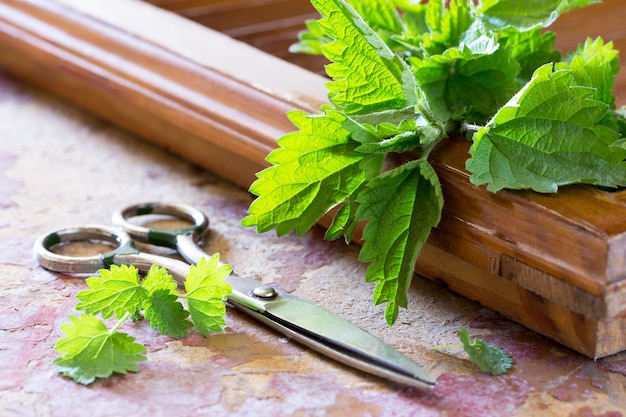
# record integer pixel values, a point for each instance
(81, 264)
(162, 237)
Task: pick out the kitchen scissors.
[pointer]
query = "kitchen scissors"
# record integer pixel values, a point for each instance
(295, 318)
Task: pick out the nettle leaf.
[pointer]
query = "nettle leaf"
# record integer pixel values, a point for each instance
(595, 64)
(467, 84)
(448, 26)
(552, 133)
(344, 221)
(528, 14)
(368, 76)
(310, 40)
(167, 314)
(531, 49)
(416, 38)
(158, 278)
(90, 351)
(620, 118)
(431, 28)
(402, 206)
(115, 291)
(206, 293)
(396, 131)
(489, 358)
(314, 170)
(380, 15)
(400, 142)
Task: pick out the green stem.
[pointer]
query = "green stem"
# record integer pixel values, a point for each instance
(422, 107)
(445, 347)
(470, 127)
(427, 150)
(119, 323)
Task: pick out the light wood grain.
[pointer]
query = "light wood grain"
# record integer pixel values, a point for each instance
(555, 263)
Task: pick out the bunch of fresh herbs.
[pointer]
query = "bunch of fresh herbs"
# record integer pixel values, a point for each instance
(406, 76)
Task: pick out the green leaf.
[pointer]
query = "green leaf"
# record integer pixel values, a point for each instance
(595, 64)
(311, 40)
(368, 75)
(381, 15)
(402, 206)
(531, 49)
(409, 135)
(206, 294)
(620, 118)
(158, 278)
(432, 28)
(90, 351)
(527, 14)
(489, 358)
(313, 170)
(552, 133)
(166, 313)
(344, 222)
(461, 84)
(455, 22)
(400, 142)
(115, 291)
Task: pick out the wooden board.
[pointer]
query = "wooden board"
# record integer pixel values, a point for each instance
(555, 263)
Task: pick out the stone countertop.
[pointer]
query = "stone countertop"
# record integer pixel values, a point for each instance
(61, 167)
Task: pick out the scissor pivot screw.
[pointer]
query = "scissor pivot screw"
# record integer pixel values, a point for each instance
(265, 292)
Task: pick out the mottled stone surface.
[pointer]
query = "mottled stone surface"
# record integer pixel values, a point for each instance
(61, 167)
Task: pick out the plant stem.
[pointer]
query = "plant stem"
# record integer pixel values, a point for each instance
(119, 323)
(470, 127)
(427, 150)
(443, 347)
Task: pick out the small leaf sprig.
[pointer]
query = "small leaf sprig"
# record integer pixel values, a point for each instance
(90, 350)
(487, 357)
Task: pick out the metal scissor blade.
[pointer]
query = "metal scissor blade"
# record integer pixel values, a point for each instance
(328, 334)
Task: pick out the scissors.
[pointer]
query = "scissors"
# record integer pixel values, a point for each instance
(291, 316)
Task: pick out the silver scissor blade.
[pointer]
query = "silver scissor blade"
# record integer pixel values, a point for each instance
(345, 338)
(329, 334)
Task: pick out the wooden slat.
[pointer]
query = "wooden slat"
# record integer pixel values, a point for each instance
(269, 25)
(152, 90)
(552, 262)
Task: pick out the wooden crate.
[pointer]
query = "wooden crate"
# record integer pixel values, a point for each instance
(555, 263)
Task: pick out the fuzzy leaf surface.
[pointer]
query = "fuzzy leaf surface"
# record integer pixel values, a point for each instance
(206, 294)
(368, 76)
(402, 206)
(550, 134)
(167, 314)
(158, 278)
(467, 84)
(531, 49)
(314, 169)
(114, 291)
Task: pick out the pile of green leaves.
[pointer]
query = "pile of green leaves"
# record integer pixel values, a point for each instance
(406, 76)
(90, 350)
